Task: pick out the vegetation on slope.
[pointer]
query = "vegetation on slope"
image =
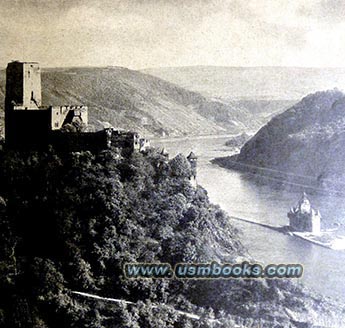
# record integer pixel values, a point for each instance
(69, 222)
(303, 143)
(238, 141)
(132, 100)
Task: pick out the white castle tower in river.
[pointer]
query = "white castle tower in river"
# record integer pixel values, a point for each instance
(304, 218)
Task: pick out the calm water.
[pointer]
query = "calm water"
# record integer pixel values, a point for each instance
(241, 196)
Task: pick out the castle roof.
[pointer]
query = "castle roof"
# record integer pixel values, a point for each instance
(192, 156)
(304, 205)
(164, 152)
(303, 199)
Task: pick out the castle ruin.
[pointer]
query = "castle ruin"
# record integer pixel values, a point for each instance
(31, 126)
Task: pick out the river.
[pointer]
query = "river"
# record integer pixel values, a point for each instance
(241, 196)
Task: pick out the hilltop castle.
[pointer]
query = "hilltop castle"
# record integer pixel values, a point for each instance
(31, 126)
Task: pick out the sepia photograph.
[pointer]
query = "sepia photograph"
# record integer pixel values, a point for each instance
(172, 164)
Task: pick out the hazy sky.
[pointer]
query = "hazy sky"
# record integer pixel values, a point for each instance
(150, 33)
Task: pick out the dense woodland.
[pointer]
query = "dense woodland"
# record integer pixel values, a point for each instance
(69, 222)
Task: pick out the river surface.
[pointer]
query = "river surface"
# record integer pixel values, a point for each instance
(241, 196)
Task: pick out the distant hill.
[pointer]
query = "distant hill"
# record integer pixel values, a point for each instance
(305, 142)
(130, 99)
(259, 83)
(262, 110)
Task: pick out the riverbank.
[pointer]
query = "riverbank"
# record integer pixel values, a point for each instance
(191, 137)
(243, 195)
(291, 181)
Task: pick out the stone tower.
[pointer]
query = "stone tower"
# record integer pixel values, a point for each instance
(192, 159)
(23, 116)
(23, 85)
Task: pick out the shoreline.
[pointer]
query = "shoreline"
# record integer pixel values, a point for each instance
(277, 178)
(286, 230)
(191, 137)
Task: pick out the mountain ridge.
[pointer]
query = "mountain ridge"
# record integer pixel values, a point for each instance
(304, 142)
(133, 100)
(257, 82)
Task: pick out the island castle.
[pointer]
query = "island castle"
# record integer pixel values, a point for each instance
(304, 218)
(31, 126)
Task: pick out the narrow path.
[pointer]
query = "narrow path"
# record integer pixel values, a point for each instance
(120, 301)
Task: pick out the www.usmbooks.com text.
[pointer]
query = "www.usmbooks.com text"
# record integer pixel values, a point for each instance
(212, 270)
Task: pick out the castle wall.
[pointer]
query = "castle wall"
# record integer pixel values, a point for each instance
(301, 222)
(60, 115)
(145, 144)
(14, 85)
(74, 141)
(93, 141)
(129, 140)
(305, 222)
(316, 225)
(32, 97)
(29, 126)
(26, 129)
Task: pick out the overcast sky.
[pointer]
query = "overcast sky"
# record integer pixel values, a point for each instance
(151, 33)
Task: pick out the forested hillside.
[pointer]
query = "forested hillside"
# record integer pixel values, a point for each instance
(305, 143)
(69, 222)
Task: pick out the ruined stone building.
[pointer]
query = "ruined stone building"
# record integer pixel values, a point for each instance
(28, 124)
(31, 126)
